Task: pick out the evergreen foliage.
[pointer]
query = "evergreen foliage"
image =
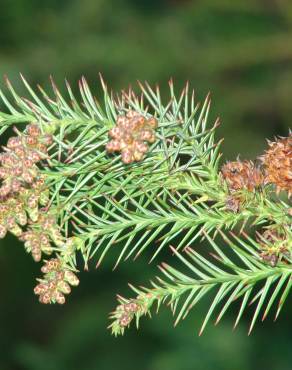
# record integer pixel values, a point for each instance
(175, 196)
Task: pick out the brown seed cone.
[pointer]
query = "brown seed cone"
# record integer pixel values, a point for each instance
(242, 175)
(277, 161)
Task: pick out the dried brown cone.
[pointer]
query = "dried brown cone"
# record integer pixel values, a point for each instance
(242, 175)
(277, 162)
(56, 282)
(131, 135)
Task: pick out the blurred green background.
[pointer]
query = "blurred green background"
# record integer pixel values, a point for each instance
(241, 51)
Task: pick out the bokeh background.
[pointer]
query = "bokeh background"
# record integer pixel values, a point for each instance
(241, 51)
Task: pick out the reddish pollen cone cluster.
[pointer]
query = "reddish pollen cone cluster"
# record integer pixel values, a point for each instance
(125, 313)
(22, 188)
(56, 282)
(18, 163)
(242, 175)
(131, 135)
(277, 161)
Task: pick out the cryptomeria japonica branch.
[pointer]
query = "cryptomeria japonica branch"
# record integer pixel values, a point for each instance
(79, 176)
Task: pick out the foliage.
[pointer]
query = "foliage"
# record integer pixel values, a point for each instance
(176, 194)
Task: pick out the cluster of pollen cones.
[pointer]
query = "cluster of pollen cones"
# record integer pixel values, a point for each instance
(130, 136)
(22, 194)
(55, 283)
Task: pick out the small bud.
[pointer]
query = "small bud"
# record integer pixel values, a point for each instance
(17, 171)
(31, 140)
(5, 189)
(152, 122)
(39, 183)
(44, 239)
(59, 297)
(36, 255)
(131, 307)
(47, 139)
(146, 135)
(141, 147)
(33, 213)
(33, 156)
(33, 130)
(121, 120)
(127, 156)
(131, 114)
(15, 185)
(16, 230)
(113, 146)
(27, 177)
(138, 156)
(64, 287)
(32, 201)
(42, 148)
(115, 133)
(53, 264)
(44, 198)
(3, 208)
(20, 152)
(40, 289)
(128, 139)
(21, 218)
(138, 122)
(45, 298)
(8, 160)
(125, 320)
(14, 142)
(10, 222)
(27, 163)
(3, 173)
(71, 278)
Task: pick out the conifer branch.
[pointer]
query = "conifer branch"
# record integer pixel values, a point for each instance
(130, 172)
(241, 278)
